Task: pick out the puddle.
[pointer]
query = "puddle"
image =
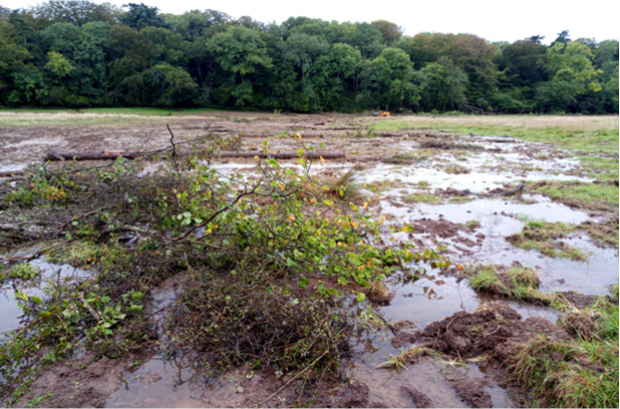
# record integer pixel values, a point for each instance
(10, 312)
(164, 383)
(427, 376)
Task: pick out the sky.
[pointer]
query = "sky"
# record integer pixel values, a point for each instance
(490, 19)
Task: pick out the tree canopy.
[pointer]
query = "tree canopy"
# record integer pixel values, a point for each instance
(81, 53)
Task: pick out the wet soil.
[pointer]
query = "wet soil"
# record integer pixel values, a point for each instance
(425, 305)
(78, 383)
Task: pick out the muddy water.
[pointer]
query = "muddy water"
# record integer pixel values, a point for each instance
(10, 311)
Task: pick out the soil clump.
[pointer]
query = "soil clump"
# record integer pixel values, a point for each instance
(471, 391)
(419, 398)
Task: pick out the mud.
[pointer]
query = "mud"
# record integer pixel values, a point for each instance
(471, 391)
(79, 383)
(447, 174)
(471, 334)
(579, 300)
(420, 399)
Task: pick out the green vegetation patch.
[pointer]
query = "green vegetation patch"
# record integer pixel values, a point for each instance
(544, 237)
(422, 198)
(582, 372)
(519, 283)
(285, 242)
(588, 196)
(21, 271)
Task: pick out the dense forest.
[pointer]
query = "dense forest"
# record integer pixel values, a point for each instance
(80, 54)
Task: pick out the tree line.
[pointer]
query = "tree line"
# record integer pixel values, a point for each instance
(80, 54)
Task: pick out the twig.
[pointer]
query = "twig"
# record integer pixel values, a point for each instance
(92, 311)
(292, 379)
(174, 148)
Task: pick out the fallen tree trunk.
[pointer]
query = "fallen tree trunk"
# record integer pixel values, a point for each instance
(8, 174)
(257, 135)
(281, 155)
(307, 134)
(391, 134)
(54, 155)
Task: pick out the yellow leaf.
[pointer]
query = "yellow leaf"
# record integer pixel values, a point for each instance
(365, 205)
(322, 160)
(256, 157)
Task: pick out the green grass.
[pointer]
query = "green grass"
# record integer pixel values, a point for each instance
(518, 283)
(579, 373)
(423, 198)
(588, 196)
(77, 253)
(24, 117)
(544, 237)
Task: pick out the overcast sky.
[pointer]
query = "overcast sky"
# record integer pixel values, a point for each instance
(491, 19)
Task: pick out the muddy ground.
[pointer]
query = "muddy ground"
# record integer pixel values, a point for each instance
(450, 187)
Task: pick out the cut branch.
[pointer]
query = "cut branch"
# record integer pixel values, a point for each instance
(54, 155)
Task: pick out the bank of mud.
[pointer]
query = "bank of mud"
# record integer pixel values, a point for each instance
(450, 189)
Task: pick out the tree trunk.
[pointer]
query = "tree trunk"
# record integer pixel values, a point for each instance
(54, 155)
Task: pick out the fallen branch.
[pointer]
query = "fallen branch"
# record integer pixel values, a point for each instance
(8, 174)
(53, 155)
(292, 379)
(281, 155)
(391, 134)
(307, 134)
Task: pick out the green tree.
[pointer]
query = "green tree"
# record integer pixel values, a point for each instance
(241, 52)
(391, 32)
(572, 76)
(140, 15)
(77, 12)
(444, 86)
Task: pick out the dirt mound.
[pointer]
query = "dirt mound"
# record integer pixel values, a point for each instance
(471, 334)
(471, 391)
(419, 398)
(579, 300)
(403, 338)
(437, 227)
(579, 325)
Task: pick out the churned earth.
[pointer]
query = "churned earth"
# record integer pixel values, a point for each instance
(474, 189)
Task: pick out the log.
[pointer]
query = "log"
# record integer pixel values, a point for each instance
(345, 128)
(257, 135)
(307, 134)
(54, 155)
(8, 174)
(391, 134)
(281, 155)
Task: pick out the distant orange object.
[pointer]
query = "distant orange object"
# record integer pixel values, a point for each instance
(381, 113)
(460, 267)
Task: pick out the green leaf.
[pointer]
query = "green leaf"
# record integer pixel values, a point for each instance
(37, 300)
(137, 296)
(361, 297)
(303, 281)
(273, 163)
